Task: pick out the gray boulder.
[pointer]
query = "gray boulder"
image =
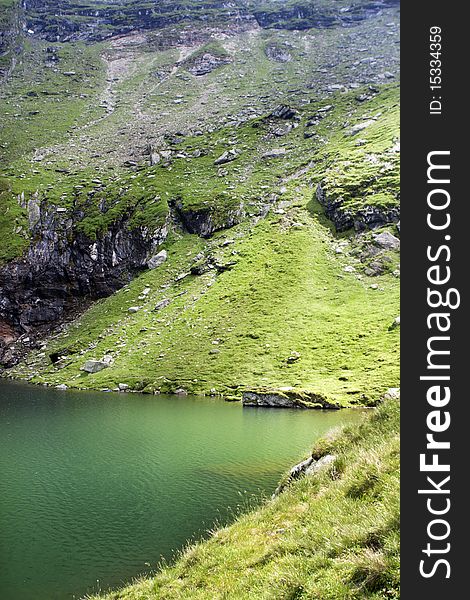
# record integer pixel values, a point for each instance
(157, 260)
(94, 366)
(387, 241)
(275, 153)
(227, 157)
(283, 112)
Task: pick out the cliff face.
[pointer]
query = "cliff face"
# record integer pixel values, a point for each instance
(93, 20)
(65, 20)
(304, 14)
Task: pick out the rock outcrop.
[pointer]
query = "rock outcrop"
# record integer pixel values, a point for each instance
(306, 468)
(302, 14)
(205, 221)
(366, 217)
(61, 273)
(95, 20)
(287, 398)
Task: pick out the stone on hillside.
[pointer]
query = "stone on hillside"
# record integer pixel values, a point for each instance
(395, 324)
(300, 468)
(133, 309)
(94, 366)
(387, 241)
(277, 54)
(208, 63)
(162, 304)
(282, 131)
(157, 260)
(391, 394)
(275, 153)
(320, 464)
(123, 387)
(307, 467)
(294, 357)
(326, 108)
(154, 158)
(283, 112)
(360, 127)
(227, 157)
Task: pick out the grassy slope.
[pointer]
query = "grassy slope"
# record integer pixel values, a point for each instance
(48, 105)
(65, 126)
(275, 301)
(331, 536)
(288, 291)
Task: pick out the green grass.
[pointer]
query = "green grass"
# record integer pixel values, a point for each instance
(331, 536)
(238, 329)
(361, 175)
(286, 290)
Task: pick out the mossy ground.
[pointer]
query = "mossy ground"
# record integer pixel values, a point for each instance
(334, 535)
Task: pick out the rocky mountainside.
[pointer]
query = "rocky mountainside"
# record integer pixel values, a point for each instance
(65, 20)
(180, 180)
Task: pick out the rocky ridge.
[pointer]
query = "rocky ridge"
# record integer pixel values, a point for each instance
(94, 20)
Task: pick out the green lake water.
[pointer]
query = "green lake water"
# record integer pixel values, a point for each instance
(95, 488)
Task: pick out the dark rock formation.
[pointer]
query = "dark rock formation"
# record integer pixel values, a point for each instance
(70, 20)
(283, 112)
(368, 217)
(66, 20)
(61, 273)
(304, 14)
(287, 398)
(207, 63)
(205, 221)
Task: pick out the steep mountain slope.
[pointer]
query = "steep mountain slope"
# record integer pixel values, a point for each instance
(221, 143)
